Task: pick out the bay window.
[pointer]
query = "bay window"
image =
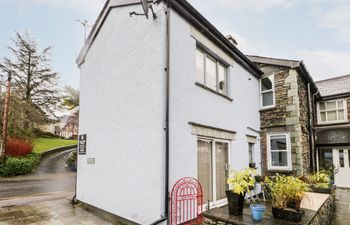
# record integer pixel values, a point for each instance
(211, 72)
(332, 111)
(279, 151)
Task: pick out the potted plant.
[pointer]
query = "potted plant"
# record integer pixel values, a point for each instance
(240, 182)
(252, 165)
(320, 182)
(286, 193)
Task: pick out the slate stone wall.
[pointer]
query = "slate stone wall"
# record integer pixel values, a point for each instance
(291, 114)
(304, 125)
(325, 214)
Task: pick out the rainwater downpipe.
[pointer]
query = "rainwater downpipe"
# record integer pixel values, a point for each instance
(310, 128)
(167, 100)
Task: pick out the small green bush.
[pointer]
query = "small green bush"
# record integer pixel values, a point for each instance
(14, 166)
(72, 160)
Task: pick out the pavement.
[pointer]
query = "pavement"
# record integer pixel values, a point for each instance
(51, 176)
(342, 211)
(44, 197)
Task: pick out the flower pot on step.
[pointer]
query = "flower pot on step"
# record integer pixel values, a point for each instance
(235, 203)
(288, 214)
(258, 211)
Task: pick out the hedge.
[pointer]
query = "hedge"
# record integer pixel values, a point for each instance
(14, 166)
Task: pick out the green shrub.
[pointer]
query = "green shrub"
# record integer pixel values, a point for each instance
(14, 166)
(285, 189)
(72, 160)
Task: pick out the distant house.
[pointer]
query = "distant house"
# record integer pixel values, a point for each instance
(287, 91)
(154, 114)
(332, 119)
(66, 126)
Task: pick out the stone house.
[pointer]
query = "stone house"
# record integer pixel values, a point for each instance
(287, 91)
(332, 128)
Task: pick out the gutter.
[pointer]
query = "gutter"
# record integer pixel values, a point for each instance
(165, 216)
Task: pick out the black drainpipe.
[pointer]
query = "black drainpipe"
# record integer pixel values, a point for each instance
(310, 128)
(167, 99)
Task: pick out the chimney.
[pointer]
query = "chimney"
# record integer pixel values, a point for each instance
(232, 40)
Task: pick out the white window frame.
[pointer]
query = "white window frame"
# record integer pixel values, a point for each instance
(337, 109)
(217, 63)
(216, 202)
(289, 152)
(272, 77)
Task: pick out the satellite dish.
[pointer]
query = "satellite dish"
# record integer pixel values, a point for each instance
(145, 7)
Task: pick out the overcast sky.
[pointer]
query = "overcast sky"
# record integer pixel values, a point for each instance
(316, 31)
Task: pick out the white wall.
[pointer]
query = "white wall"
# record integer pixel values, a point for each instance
(190, 103)
(122, 113)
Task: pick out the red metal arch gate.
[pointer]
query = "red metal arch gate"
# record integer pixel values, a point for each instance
(186, 202)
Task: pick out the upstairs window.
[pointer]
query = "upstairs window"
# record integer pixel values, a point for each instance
(211, 72)
(332, 111)
(267, 91)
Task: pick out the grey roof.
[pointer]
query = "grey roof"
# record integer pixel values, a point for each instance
(274, 61)
(293, 64)
(334, 86)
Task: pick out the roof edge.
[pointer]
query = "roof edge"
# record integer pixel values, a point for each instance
(188, 12)
(333, 78)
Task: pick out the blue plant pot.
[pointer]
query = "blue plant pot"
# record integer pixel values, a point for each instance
(258, 211)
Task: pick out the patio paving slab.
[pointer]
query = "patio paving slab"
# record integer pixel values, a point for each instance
(311, 203)
(342, 210)
(53, 212)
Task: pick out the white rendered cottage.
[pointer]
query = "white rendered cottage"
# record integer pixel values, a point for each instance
(162, 99)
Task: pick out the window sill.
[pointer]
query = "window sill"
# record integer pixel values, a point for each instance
(267, 108)
(332, 123)
(213, 91)
(274, 170)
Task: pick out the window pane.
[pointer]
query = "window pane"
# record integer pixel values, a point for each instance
(322, 106)
(278, 142)
(267, 99)
(332, 115)
(251, 152)
(210, 73)
(222, 79)
(341, 158)
(331, 105)
(326, 159)
(279, 159)
(340, 104)
(341, 115)
(266, 84)
(221, 157)
(205, 169)
(200, 66)
(323, 116)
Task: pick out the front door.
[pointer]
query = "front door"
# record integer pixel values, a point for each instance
(213, 159)
(341, 159)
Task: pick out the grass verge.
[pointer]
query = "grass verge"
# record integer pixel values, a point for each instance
(44, 144)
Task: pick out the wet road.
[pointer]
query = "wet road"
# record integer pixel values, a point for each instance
(52, 176)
